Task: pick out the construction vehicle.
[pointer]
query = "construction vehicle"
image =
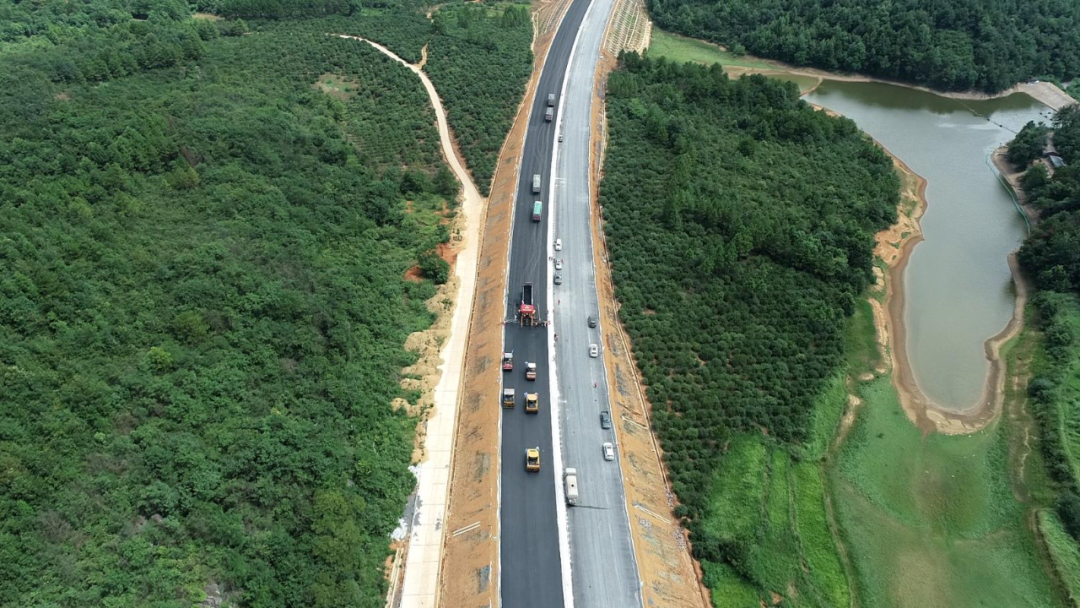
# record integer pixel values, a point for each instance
(530, 371)
(549, 114)
(538, 210)
(551, 100)
(508, 362)
(536, 183)
(532, 459)
(532, 403)
(527, 310)
(571, 486)
(508, 397)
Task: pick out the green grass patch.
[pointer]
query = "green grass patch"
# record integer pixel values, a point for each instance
(769, 516)
(729, 590)
(1063, 551)
(1056, 386)
(818, 547)
(860, 340)
(736, 493)
(932, 521)
(680, 49)
(828, 409)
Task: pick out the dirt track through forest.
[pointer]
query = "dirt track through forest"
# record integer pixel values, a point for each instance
(435, 432)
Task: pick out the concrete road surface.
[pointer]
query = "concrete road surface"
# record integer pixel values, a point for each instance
(530, 572)
(602, 555)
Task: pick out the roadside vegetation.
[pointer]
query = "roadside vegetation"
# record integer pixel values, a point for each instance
(740, 223)
(210, 243)
(951, 45)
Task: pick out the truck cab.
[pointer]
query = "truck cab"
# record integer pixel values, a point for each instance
(532, 459)
(530, 371)
(508, 362)
(570, 477)
(532, 403)
(508, 397)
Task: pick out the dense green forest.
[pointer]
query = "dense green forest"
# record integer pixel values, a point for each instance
(479, 59)
(946, 44)
(740, 223)
(205, 241)
(479, 55)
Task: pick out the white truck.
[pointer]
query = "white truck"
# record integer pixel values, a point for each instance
(570, 475)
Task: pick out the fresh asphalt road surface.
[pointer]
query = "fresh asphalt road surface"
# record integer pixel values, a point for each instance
(602, 557)
(530, 573)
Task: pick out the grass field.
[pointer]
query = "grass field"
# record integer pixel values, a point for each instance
(768, 512)
(932, 521)
(1063, 552)
(680, 48)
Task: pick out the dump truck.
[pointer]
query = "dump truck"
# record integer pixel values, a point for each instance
(508, 362)
(530, 371)
(571, 486)
(527, 310)
(508, 397)
(551, 100)
(536, 183)
(532, 403)
(549, 114)
(532, 459)
(538, 210)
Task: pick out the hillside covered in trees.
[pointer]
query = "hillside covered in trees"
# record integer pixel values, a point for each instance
(740, 223)
(950, 45)
(205, 243)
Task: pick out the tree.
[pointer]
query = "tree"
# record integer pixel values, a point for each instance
(1028, 144)
(446, 184)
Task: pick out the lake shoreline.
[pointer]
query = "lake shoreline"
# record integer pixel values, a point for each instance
(921, 410)
(893, 246)
(1046, 93)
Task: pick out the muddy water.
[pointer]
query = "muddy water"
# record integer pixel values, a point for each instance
(958, 290)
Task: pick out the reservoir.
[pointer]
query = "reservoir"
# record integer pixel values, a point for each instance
(957, 284)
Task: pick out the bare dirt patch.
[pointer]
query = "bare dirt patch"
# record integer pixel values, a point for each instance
(206, 17)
